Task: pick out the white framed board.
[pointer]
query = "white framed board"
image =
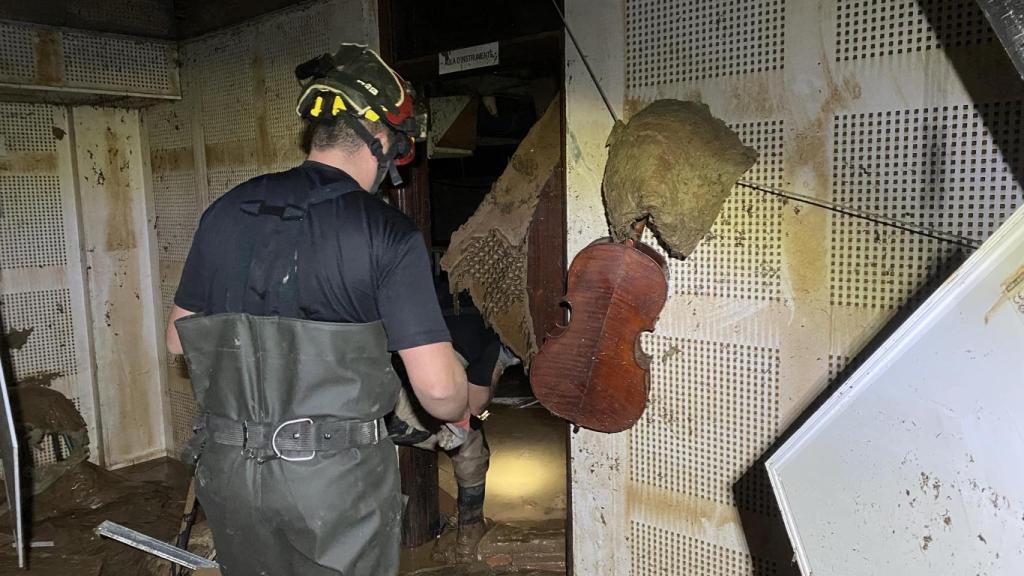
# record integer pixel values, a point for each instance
(10, 463)
(915, 466)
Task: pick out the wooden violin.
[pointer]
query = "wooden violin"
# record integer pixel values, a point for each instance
(591, 371)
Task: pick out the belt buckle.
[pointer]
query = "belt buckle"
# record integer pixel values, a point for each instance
(273, 442)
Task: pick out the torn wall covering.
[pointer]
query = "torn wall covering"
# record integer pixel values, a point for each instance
(488, 253)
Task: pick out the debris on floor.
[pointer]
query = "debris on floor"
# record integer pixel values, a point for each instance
(69, 510)
(72, 496)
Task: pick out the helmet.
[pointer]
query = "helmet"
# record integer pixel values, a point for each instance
(353, 84)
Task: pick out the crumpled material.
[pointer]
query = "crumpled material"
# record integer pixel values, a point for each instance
(488, 254)
(41, 412)
(673, 165)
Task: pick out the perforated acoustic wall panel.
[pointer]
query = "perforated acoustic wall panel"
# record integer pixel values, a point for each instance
(674, 553)
(741, 256)
(33, 237)
(42, 316)
(875, 104)
(297, 39)
(17, 53)
(682, 40)
(55, 61)
(114, 62)
(714, 408)
(946, 167)
(871, 28)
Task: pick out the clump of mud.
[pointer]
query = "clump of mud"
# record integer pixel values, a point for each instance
(43, 414)
(674, 165)
(71, 497)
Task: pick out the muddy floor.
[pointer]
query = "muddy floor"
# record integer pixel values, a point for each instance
(148, 497)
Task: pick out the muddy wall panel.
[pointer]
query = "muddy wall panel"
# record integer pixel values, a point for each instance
(43, 306)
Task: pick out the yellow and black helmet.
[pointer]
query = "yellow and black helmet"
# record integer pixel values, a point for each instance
(354, 83)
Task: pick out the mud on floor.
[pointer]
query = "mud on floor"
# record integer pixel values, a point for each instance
(148, 498)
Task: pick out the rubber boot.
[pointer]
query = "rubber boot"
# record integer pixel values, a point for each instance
(471, 523)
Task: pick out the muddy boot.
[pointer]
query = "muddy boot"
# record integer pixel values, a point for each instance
(471, 522)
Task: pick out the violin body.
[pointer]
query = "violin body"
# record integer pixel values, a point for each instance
(592, 372)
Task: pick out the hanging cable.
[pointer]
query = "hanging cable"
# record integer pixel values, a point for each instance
(863, 215)
(586, 63)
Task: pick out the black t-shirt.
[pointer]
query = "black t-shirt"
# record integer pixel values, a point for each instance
(358, 259)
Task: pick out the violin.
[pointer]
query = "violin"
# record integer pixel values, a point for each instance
(592, 371)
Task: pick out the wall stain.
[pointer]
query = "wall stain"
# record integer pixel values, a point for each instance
(173, 160)
(120, 232)
(230, 155)
(49, 58)
(265, 152)
(29, 163)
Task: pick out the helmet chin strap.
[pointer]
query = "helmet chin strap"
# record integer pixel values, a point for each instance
(385, 160)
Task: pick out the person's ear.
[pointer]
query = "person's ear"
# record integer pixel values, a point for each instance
(385, 142)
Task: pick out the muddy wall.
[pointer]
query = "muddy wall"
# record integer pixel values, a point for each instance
(780, 298)
(117, 238)
(236, 120)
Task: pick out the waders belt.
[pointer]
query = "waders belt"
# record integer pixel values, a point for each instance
(308, 435)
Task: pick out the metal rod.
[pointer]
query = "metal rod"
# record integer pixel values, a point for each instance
(864, 215)
(586, 63)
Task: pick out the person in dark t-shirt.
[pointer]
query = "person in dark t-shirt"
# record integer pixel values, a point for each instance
(297, 287)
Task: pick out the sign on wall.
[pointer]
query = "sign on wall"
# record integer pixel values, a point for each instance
(462, 59)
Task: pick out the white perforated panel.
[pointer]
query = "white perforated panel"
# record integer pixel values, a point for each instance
(661, 552)
(27, 127)
(169, 126)
(224, 64)
(946, 167)
(742, 255)
(872, 28)
(670, 41)
(31, 222)
(712, 410)
(184, 409)
(17, 53)
(116, 63)
(178, 209)
(50, 346)
(295, 39)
